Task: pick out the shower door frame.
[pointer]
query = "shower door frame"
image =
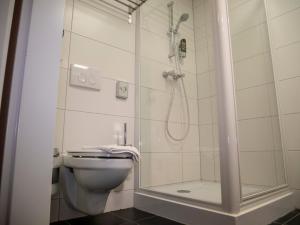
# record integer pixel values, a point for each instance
(231, 194)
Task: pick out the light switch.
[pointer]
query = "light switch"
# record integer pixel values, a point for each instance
(83, 76)
(122, 90)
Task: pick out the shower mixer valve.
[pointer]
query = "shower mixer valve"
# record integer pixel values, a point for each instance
(173, 75)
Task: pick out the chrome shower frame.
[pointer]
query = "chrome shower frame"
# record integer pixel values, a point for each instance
(171, 33)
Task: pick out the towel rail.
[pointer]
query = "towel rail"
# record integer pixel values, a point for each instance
(124, 6)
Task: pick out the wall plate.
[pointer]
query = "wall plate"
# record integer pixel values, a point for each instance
(122, 90)
(85, 77)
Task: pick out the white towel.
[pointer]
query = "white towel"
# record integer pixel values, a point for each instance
(117, 149)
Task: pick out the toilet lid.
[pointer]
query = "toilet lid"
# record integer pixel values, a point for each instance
(98, 154)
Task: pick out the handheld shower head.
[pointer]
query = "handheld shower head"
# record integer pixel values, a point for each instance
(184, 17)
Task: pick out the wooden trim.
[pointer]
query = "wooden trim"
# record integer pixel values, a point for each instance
(8, 75)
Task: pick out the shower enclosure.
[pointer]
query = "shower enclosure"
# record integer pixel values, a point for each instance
(208, 124)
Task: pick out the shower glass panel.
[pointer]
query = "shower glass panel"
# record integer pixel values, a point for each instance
(259, 135)
(178, 105)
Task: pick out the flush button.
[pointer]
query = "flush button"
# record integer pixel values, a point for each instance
(82, 78)
(85, 77)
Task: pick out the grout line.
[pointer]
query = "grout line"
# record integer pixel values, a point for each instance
(251, 56)
(206, 72)
(192, 47)
(287, 44)
(289, 220)
(291, 113)
(98, 113)
(259, 151)
(249, 28)
(293, 150)
(289, 78)
(174, 122)
(238, 4)
(255, 86)
(168, 64)
(167, 94)
(258, 117)
(103, 43)
(284, 13)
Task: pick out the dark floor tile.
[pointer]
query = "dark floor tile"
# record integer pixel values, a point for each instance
(103, 219)
(60, 223)
(129, 223)
(132, 214)
(157, 221)
(287, 217)
(295, 221)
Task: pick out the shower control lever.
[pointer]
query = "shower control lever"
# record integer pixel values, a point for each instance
(173, 75)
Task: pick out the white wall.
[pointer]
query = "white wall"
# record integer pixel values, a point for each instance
(104, 42)
(164, 161)
(283, 19)
(260, 147)
(31, 188)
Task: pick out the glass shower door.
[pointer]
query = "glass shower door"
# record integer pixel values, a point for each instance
(258, 120)
(178, 109)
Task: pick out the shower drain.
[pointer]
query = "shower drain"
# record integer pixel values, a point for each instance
(183, 191)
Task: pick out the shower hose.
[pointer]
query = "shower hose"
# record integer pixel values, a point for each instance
(171, 102)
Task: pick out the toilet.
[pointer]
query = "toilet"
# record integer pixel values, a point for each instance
(89, 176)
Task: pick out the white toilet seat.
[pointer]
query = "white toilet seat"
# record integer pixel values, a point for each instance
(98, 154)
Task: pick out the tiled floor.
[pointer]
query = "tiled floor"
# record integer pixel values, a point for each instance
(292, 218)
(134, 216)
(130, 216)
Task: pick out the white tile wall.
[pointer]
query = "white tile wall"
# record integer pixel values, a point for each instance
(191, 166)
(153, 137)
(282, 6)
(289, 93)
(95, 38)
(285, 29)
(261, 159)
(207, 166)
(258, 168)
(94, 24)
(256, 134)
(163, 160)
(293, 158)
(86, 51)
(250, 43)
(284, 17)
(207, 111)
(291, 131)
(242, 18)
(253, 72)
(253, 102)
(160, 169)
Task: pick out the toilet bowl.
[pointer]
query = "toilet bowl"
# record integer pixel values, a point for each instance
(88, 177)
